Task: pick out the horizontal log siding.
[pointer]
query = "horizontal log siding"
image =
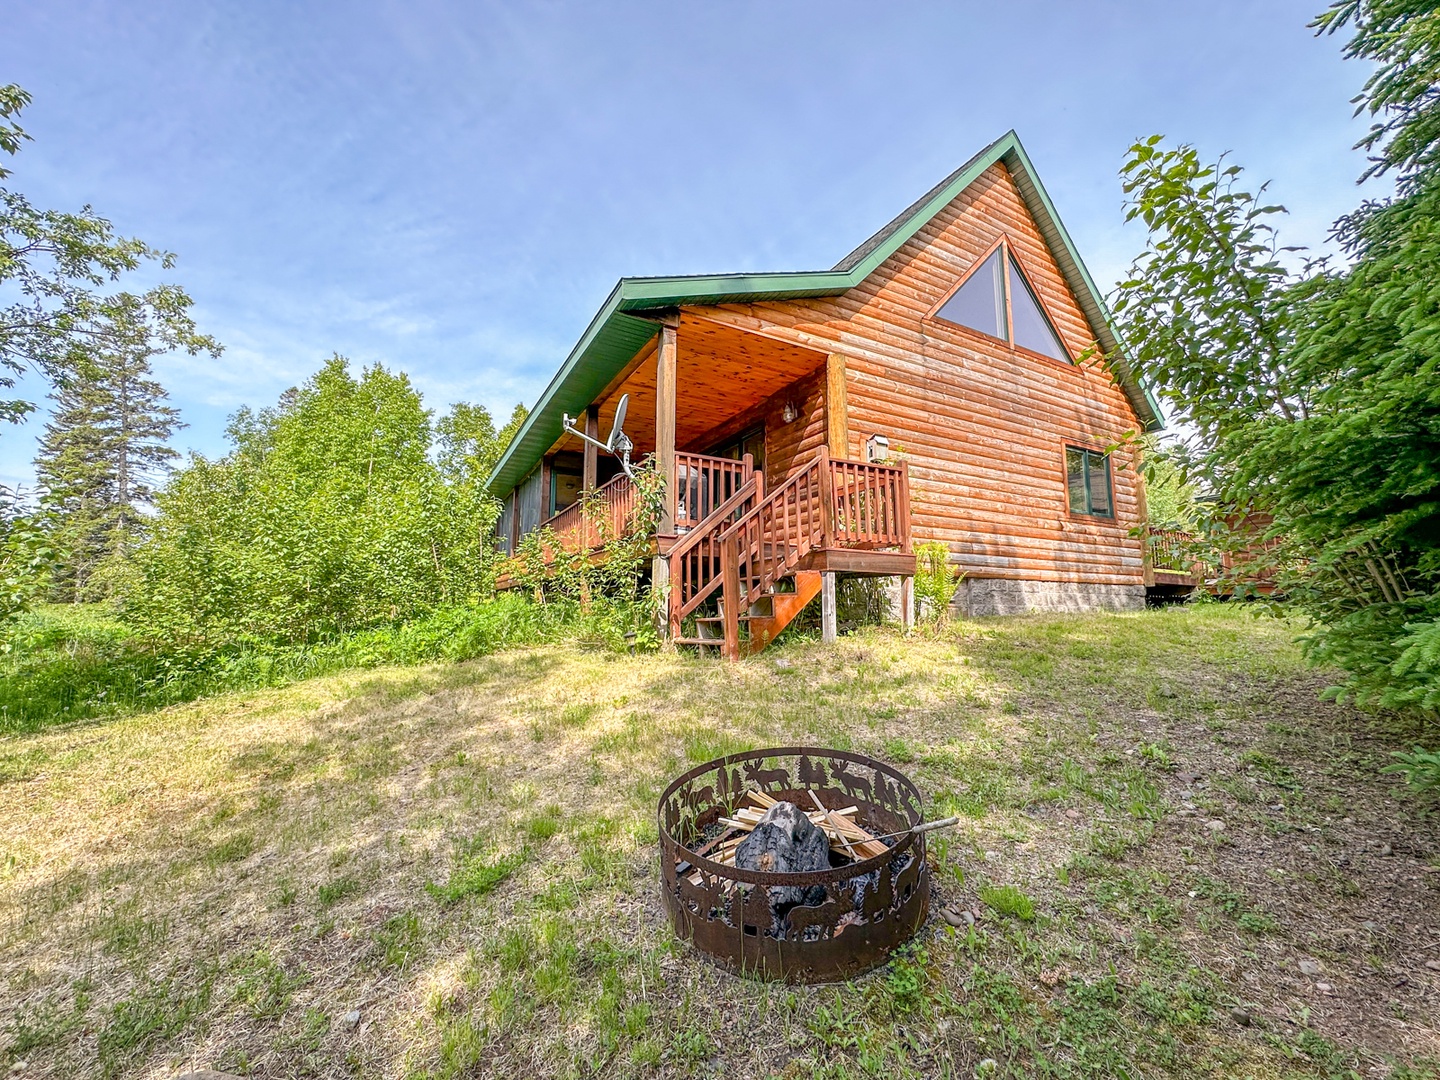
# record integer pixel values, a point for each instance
(983, 427)
(787, 446)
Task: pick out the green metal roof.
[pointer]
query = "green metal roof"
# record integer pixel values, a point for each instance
(614, 336)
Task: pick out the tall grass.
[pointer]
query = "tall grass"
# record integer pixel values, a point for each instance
(72, 663)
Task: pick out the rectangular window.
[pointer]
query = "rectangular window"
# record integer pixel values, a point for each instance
(1087, 475)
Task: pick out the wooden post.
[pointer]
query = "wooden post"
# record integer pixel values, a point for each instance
(665, 389)
(904, 508)
(827, 499)
(730, 595)
(829, 629)
(590, 471)
(837, 409)
(907, 603)
(1147, 564)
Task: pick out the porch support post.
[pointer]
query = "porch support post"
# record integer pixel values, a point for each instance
(665, 390)
(829, 629)
(837, 409)
(907, 603)
(589, 472)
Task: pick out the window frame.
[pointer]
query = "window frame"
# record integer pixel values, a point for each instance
(1007, 253)
(1088, 451)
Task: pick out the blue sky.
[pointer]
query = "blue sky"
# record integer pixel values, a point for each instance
(453, 188)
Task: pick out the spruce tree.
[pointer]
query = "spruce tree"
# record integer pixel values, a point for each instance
(102, 452)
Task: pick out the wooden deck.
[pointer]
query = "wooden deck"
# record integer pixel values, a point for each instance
(1174, 571)
(735, 541)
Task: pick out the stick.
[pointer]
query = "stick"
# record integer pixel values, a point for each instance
(928, 826)
(823, 810)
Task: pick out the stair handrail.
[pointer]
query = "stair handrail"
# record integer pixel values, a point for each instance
(715, 519)
(756, 584)
(709, 529)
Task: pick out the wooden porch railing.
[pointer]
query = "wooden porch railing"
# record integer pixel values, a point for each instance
(769, 542)
(576, 532)
(824, 504)
(1169, 550)
(703, 483)
(870, 505)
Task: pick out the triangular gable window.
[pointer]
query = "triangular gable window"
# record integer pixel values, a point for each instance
(1032, 329)
(980, 302)
(996, 300)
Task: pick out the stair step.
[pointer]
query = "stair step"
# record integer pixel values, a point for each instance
(712, 642)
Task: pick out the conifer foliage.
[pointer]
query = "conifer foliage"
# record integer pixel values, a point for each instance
(104, 449)
(58, 313)
(1315, 388)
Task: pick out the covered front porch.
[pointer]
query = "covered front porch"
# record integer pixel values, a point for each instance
(751, 433)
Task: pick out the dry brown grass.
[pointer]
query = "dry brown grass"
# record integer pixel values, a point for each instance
(219, 884)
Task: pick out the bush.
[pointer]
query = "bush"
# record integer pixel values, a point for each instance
(330, 514)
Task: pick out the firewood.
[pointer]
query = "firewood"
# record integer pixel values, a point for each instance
(830, 820)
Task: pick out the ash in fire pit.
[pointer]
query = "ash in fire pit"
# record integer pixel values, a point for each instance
(766, 885)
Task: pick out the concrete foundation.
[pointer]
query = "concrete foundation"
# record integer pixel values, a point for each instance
(1000, 596)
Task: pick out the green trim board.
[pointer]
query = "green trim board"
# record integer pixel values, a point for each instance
(619, 329)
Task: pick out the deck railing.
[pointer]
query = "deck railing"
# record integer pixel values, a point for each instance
(828, 503)
(870, 505)
(703, 483)
(611, 516)
(1170, 551)
(695, 562)
(769, 541)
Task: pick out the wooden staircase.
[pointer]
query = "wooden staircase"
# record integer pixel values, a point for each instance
(745, 571)
(762, 621)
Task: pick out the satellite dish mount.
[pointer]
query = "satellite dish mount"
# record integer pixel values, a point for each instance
(618, 445)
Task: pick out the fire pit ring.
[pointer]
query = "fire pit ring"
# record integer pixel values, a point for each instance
(871, 906)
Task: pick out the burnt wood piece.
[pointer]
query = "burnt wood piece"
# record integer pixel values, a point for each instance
(786, 842)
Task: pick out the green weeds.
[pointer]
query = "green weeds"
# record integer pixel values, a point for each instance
(153, 1014)
(1008, 900)
(475, 873)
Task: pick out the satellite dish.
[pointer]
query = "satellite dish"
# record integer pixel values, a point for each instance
(618, 444)
(617, 430)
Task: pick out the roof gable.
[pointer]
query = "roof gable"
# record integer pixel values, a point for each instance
(620, 328)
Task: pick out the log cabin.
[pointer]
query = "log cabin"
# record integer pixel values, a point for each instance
(942, 382)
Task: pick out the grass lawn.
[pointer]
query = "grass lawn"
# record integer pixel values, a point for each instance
(450, 870)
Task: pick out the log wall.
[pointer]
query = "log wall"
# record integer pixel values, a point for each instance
(982, 425)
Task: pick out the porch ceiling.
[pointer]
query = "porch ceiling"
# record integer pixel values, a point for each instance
(721, 371)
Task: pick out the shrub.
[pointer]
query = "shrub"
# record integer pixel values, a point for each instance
(1421, 769)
